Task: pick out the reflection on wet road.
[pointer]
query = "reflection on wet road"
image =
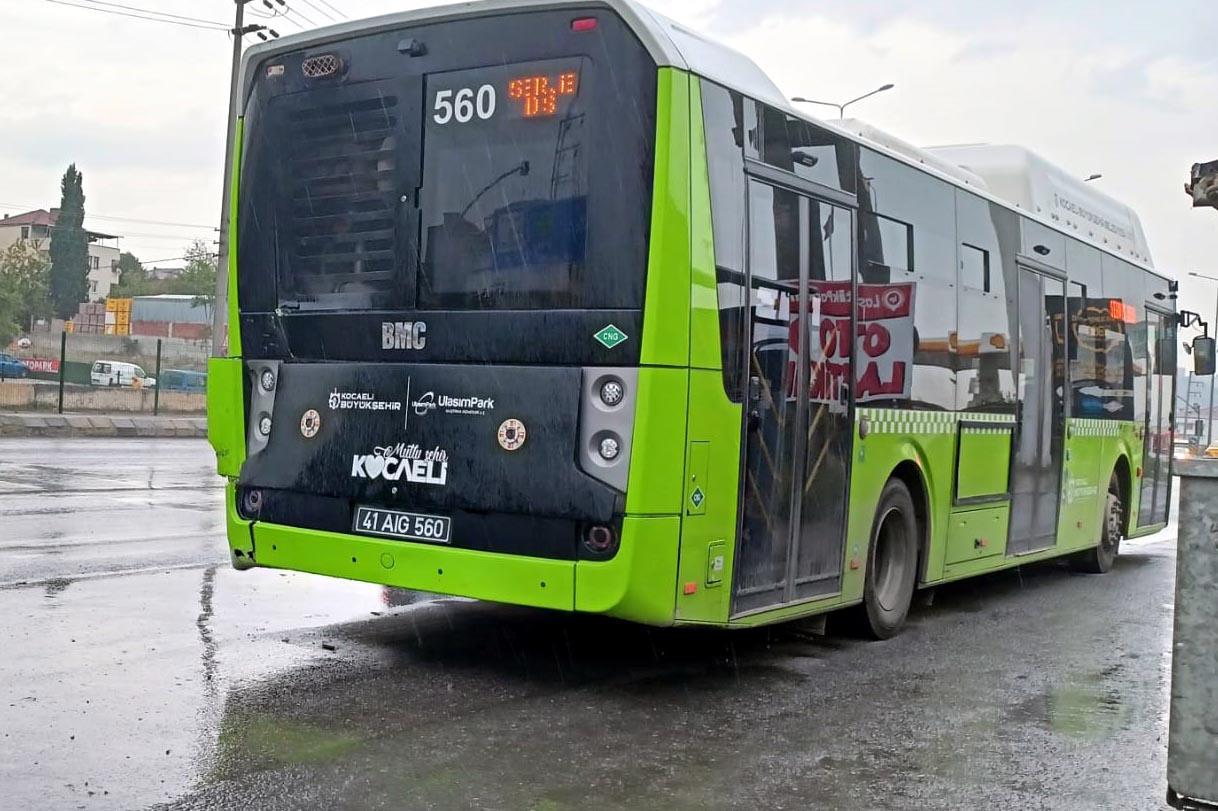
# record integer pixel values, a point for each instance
(141, 670)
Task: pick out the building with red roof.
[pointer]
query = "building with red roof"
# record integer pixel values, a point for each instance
(37, 228)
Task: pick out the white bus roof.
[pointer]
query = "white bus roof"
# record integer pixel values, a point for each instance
(1022, 177)
(1010, 175)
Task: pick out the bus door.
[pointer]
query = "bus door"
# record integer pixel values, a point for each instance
(1036, 463)
(797, 410)
(1157, 430)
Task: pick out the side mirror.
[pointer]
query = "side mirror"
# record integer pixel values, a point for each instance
(1203, 355)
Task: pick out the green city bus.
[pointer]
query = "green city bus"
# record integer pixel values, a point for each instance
(560, 304)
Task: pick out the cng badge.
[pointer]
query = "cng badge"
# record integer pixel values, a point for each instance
(610, 336)
(511, 434)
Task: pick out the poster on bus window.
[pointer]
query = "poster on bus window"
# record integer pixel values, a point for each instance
(884, 338)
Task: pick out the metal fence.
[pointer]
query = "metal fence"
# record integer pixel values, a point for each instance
(67, 373)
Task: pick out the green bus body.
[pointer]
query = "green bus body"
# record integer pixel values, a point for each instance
(680, 530)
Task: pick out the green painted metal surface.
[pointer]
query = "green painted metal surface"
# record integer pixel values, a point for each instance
(666, 314)
(234, 310)
(658, 447)
(976, 534)
(714, 433)
(237, 530)
(482, 575)
(984, 462)
(226, 414)
(637, 584)
(704, 343)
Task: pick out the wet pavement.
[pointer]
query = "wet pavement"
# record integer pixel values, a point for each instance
(139, 670)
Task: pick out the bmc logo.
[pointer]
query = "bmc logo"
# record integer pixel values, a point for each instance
(403, 334)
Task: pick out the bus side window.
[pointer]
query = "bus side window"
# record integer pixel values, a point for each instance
(985, 335)
(726, 117)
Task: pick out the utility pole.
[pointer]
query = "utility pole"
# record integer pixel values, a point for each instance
(219, 330)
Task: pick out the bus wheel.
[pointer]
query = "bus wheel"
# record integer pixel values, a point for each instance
(1100, 559)
(892, 564)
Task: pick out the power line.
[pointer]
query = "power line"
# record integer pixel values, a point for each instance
(298, 14)
(17, 207)
(320, 10)
(170, 237)
(276, 13)
(332, 8)
(151, 11)
(170, 259)
(167, 21)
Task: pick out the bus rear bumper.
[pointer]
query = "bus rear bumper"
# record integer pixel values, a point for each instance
(491, 576)
(638, 584)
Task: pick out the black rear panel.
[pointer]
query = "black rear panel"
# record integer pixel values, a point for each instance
(511, 219)
(540, 477)
(427, 438)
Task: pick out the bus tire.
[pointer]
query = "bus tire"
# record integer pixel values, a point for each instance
(1099, 559)
(892, 564)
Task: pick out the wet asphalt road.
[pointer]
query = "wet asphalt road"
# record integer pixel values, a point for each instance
(139, 670)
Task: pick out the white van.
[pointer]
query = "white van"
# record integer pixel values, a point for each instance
(118, 373)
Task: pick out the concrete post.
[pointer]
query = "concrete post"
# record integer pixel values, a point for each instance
(1192, 749)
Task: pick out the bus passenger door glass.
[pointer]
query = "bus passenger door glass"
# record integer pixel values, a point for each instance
(774, 434)
(830, 328)
(1157, 441)
(1036, 468)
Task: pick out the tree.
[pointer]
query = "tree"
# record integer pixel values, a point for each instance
(132, 277)
(70, 247)
(9, 323)
(28, 274)
(198, 278)
(24, 282)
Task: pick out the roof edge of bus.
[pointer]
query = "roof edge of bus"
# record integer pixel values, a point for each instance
(1033, 183)
(642, 22)
(668, 42)
(963, 165)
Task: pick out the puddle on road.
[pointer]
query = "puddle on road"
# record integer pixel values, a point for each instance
(1088, 707)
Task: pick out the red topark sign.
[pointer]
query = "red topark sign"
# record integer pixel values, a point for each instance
(43, 365)
(884, 339)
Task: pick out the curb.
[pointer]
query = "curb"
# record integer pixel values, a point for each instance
(88, 425)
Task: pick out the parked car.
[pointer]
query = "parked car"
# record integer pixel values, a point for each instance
(119, 373)
(12, 367)
(182, 380)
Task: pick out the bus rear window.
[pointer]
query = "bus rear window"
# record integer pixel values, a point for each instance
(505, 165)
(505, 193)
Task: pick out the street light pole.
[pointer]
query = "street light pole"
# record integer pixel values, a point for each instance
(841, 108)
(1209, 417)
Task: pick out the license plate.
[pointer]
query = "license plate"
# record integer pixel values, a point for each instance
(402, 525)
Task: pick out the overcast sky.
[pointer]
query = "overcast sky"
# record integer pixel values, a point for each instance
(1118, 87)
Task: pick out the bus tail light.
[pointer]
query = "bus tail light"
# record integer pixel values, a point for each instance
(606, 423)
(264, 383)
(609, 447)
(581, 24)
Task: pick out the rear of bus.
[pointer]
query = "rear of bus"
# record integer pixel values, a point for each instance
(441, 244)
